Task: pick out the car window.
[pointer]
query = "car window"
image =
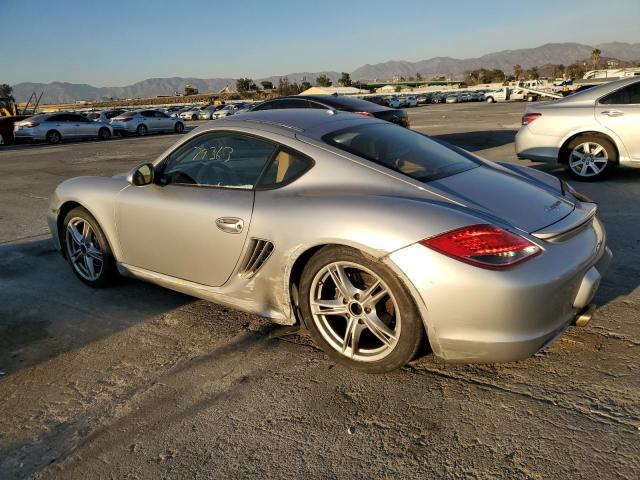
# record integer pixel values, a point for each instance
(317, 105)
(401, 150)
(218, 159)
(285, 167)
(629, 95)
(148, 113)
(159, 114)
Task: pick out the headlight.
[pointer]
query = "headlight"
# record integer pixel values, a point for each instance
(566, 187)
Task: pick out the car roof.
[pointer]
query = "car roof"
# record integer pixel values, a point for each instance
(593, 93)
(298, 120)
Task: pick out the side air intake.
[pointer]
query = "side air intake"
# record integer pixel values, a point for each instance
(257, 254)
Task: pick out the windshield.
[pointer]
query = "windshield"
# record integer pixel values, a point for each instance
(401, 150)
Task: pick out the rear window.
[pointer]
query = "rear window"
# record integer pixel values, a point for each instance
(349, 104)
(401, 150)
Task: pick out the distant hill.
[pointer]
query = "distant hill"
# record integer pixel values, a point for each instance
(551, 53)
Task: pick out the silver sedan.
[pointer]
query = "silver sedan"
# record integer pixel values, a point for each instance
(590, 132)
(145, 121)
(371, 236)
(56, 127)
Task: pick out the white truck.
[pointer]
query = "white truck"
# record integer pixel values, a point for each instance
(520, 93)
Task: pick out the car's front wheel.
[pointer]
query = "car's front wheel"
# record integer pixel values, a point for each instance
(141, 130)
(179, 128)
(87, 249)
(104, 134)
(358, 311)
(590, 157)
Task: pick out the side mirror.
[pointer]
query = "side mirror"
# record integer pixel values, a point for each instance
(141, 175)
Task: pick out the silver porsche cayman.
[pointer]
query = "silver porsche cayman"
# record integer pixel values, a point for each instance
(375, 238)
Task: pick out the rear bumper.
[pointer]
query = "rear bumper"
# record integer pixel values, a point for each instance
(483, 316)
(539, 148)
(28, 135)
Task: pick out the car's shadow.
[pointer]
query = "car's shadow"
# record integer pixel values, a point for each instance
(478, 140)
(45, 310)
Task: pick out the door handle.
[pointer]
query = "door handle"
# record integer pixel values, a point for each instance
(613, 113)
(230, 224)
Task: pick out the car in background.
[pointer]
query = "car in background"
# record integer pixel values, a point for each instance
(451, 99)
(247, 107)
(395, 102)
(104, 116)
(378, 100)
(227, 110)
(207, 112)
(142, 122)
(411, 101)
(173, 110)
(192, 113)
(589, 132)
(56, 127)
(422, 99)
(337, 102)
(6, 128)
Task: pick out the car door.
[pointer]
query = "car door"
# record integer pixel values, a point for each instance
(67, 126)
(164, 121)
(192, 222)
(150, 120)
(620, 112)
(85, 127)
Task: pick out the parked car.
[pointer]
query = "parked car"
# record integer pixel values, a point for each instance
(371, 235)
(193, 113)
(396, 102)
(6, 128)
(590, 132)
(422, 99)
(55, 127)
(207, 113)
(229, 109)
(104, 116)
(506, 94)
(173, 110)
(452, 98)
(142, 122)
(337, 102)
(411, 101)
(378, 100)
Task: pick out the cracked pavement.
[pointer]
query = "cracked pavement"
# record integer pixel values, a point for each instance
(140, 382)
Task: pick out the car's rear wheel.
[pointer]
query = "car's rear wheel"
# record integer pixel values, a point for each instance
(179, 128)
(590, 157)
(87, 249)
(141, 130)
(104, 134)
(358, 311)
(54, 137)
(490, 100)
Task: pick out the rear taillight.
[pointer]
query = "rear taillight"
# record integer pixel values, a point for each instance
(125, 119)
(485, 246)
(528, 118)
(30, 124)
(366, 114)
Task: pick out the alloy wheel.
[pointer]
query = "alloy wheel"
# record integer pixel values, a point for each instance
(588, 159)
(355, 311)
(83, 249)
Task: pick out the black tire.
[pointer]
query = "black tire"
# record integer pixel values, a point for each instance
(179, 128)
(574, 167)
(53, 137)
(141, 131)
(104, 134)
(108, 271)
(412, 331)
(194, 117)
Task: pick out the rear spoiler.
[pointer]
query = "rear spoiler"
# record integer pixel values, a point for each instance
(581, 215)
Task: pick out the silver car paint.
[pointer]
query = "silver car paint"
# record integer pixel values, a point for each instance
(563, 119)
(67, 130)
(470, 314)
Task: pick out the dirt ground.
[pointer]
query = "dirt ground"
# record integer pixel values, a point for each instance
(137, 382)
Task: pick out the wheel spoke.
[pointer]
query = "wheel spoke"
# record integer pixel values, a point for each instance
(379, 329)
(91, 270)
(94, 253)
(373, 300)
(328, 307)
(597, 150)
(75, 234)
(352, 337)
(583, 170)
(577, 154)
(586, 147)
(86, 233)
(342, 282)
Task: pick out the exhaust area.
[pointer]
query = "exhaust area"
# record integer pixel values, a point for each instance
(585, 315)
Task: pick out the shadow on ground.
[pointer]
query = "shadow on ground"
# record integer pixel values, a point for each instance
(479, 140)
(45, 310)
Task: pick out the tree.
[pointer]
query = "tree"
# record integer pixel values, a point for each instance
(266, 85)
(345, 79)
(244, 85)
(305, 86)
(558, 71)
(5, 90)
(418, 76)
(595, 57)
(517, 71)
(323, 81)
(575, 70)
(283, 86)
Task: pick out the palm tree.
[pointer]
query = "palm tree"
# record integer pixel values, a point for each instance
(595, 57)
(517, 71)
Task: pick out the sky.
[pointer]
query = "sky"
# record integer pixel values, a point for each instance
(119, 42)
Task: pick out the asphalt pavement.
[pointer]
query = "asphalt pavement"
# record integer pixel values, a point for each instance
(135, 381)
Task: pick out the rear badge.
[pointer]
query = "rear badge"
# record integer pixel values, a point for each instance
(553, 206)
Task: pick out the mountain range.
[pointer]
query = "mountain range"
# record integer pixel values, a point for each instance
(550, 53)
